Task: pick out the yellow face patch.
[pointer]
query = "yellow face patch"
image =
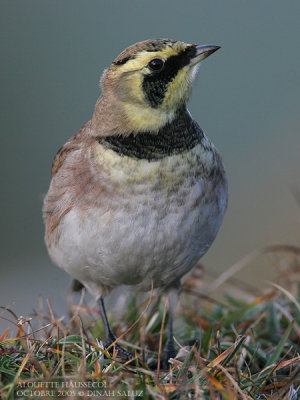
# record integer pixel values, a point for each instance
(143, 118)
(178, 89)
(142, 59)
(129, 82)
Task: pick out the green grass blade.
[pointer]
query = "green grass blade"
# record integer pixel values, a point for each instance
(275, 356)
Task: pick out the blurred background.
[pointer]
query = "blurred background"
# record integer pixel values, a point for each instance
(246, 98)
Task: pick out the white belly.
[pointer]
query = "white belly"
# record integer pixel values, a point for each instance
(145, 233)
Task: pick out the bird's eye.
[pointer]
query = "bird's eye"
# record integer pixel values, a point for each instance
(156, 64)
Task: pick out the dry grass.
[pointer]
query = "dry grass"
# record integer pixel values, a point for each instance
(244, 346)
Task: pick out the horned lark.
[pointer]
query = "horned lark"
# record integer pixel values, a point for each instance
(138, 194)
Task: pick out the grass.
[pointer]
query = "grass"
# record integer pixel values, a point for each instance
(238, 342)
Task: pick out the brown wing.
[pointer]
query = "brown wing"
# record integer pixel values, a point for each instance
(57, 202)
(71, 145)
(77, 181)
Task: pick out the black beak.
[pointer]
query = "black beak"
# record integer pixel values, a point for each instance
(203, 51)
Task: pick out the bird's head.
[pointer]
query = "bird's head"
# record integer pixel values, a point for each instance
(150, 80)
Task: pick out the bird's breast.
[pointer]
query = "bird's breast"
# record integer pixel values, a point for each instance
(159, 219)
(166, 174)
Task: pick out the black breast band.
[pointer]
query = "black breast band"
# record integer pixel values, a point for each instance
(178, 136)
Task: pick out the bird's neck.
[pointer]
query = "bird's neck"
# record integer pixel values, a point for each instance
(113, 116)
(175, 137)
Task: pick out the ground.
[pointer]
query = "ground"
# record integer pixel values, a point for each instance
(237, 343)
